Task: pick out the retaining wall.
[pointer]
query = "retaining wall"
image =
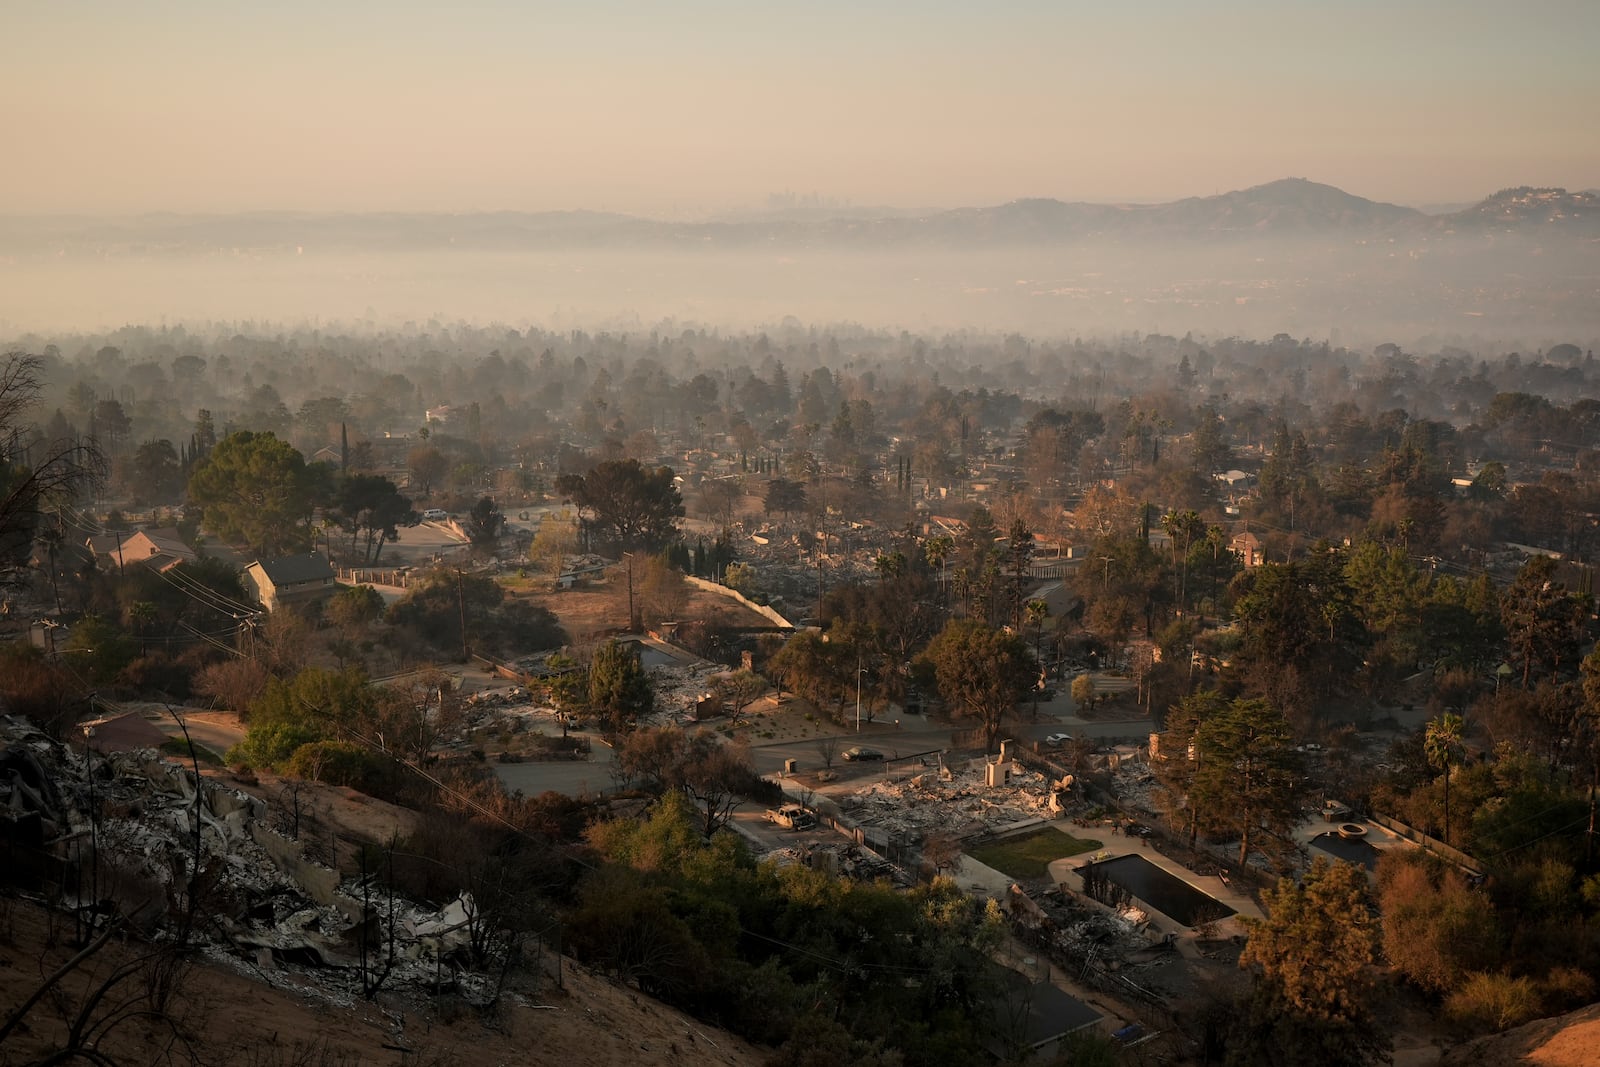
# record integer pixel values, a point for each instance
(1432, 844)
(765, 612)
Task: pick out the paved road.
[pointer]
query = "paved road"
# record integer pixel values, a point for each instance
(203, 730)
(420, 543)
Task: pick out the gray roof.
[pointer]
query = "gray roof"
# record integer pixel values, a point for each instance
(292, 570)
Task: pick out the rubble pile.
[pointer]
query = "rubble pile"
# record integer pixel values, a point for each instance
(1110, 951)
(952, 802)
(117, 835)
(793, 567)
(511, 709)
(852, 861)
(1136, 788)
(678, 688)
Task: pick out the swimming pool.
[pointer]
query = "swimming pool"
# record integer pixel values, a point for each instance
(1351, 850)
(654, 657)
(1169, 895)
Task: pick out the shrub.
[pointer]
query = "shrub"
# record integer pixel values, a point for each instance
(1436, 928)
(356, 606)
(1493, 1002)
(234, 684)
(157, 673)
(269, 744)
(1565, 988)
(35, 688)
(102, 649)
(348, 764)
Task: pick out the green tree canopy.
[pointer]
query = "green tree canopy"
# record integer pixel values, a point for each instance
(354, 606)
(632, 507)
(155, 472)
(981, 672)
(435, 607)
(484, 523)
(1312, 955)
(1442, 743)
(619, 690)
(1542, 621)
(1249, 778)
(785, 497)
(1301, 634)
(256, 490)
(371, 505)
(309, 709)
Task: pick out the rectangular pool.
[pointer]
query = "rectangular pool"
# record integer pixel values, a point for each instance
(1165, 893)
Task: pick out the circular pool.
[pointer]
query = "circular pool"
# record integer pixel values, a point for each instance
(1351, 830)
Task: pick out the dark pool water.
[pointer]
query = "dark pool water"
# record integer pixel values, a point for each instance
(654, 657)
(1169, 895)
(1351, 851)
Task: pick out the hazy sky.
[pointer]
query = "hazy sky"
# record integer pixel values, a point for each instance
(674, 107)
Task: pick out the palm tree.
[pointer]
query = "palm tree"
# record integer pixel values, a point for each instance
(937, 552)
(1182, 529)
(141, 613)
(1442, 744)
(1038, 611)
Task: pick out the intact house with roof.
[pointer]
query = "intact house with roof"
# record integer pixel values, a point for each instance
(160, 549)
(290, 582)
(1248, 546)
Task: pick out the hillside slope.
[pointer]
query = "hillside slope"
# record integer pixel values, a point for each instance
(1570, 1040)
(225, 1015)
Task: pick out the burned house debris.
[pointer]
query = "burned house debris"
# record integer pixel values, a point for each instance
(131, 838)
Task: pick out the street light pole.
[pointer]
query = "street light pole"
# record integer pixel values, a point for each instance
(860, 670)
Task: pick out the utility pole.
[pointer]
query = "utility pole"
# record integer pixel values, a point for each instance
(461, 603)
(633, 618)
(860, 670)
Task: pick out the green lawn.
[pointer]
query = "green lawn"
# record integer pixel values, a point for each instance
(176, 746)
(1029, 856)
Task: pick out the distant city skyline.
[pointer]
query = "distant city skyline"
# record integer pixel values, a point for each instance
(712, 105)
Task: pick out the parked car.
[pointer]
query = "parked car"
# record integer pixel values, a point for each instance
(856, 754)
(1057, 740)
(792, 817)
(435, 514)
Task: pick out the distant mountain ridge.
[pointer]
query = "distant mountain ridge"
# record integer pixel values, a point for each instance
(1289, 207)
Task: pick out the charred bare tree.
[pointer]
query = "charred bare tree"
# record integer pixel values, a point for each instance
(36, 473)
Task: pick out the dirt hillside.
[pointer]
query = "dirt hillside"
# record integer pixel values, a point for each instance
(226, 1015)
(1571, 1040)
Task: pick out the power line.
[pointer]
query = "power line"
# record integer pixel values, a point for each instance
(186, 583)
(222, 601)
(230, 649)
(1579, 821)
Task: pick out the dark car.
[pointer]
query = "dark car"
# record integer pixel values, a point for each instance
(856, 754)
